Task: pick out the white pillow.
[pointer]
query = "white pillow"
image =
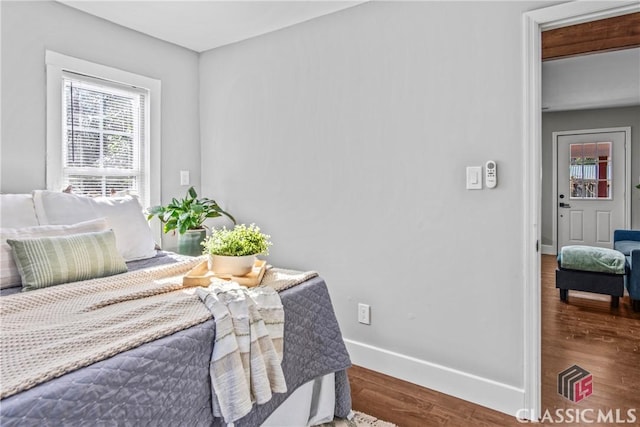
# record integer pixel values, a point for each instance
(9, 275)
(58, 208)
(16, 210)
(134, 238)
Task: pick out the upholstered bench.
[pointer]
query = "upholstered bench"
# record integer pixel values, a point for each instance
(591, 269)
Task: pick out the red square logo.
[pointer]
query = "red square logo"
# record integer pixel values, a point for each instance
(575, 383)
(583, 388)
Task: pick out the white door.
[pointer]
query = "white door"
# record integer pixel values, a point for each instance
(591, 184)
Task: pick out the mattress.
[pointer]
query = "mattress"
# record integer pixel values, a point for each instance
(166, 382)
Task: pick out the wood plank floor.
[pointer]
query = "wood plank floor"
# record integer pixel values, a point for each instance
(584, 332)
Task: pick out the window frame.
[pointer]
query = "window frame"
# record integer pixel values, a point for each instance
(56, 66)
(597, 179)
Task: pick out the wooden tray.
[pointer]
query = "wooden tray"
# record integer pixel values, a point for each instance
(200, 275)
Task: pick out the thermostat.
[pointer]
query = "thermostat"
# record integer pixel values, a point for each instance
(491, 174)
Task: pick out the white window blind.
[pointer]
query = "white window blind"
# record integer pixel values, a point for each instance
(103, 137)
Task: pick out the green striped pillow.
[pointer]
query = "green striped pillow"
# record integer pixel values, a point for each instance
(49, 261)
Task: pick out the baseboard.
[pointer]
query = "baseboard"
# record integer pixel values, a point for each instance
(548, 250)
(475, 389)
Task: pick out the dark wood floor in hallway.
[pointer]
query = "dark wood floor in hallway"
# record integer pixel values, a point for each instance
(586, 332)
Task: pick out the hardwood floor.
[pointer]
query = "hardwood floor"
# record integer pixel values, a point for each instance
(586, 332)
(409, 405)
(589, 333)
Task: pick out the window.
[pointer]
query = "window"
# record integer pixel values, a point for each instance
(590, 170)
(103, 130)
(103, 137)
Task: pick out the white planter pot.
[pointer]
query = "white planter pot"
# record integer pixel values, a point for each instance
(233, 265)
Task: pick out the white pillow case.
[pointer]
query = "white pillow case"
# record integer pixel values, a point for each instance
(16, 210)
(9, 275)
(134, 238)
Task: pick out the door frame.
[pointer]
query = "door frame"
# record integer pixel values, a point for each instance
(533, 23)
(627, 175)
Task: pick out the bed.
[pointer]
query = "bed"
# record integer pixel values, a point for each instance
(166, 381)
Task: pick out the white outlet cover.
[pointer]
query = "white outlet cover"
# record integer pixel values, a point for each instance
(184, 178)
(364, 314)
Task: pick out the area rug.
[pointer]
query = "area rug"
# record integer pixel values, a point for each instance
(359, 420)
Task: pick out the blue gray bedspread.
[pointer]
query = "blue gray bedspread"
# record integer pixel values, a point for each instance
(166, 382)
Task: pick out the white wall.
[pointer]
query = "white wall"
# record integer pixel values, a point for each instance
(28, 28)
(586, 119)
(346, 138)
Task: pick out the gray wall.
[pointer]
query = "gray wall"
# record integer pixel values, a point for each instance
(347, 138)
(586, 119)
(29, 28)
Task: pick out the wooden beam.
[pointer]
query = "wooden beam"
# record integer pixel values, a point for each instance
(619, 32)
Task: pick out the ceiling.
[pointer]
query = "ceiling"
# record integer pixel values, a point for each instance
(207, 24)
(599, 80)
(593, 64)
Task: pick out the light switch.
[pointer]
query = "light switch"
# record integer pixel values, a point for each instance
(474, 177)
(184, 177)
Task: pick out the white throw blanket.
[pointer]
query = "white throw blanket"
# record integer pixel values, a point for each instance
(247, 355)
(49, 332)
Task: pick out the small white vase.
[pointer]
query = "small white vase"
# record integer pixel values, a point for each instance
(233, 265)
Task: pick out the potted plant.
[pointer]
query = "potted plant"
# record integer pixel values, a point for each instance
(187, 216)
(234, 251)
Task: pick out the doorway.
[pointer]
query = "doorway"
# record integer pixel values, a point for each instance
(591, 178)
(534, 22)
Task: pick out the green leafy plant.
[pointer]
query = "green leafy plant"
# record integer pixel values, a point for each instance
(239, 241)
(188, 213)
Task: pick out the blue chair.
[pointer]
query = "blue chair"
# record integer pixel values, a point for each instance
(628, 242)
